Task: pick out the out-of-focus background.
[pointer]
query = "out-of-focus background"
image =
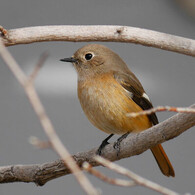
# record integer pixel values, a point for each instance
(168, 78)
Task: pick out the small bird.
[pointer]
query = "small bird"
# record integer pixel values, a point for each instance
(108, 91)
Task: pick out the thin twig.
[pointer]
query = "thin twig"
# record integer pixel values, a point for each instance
(3, 32)
(105, 33)
(136, 178)
(45, 122)
(119, 182)
(35, 141)
(132, 145)
(38, 66)
(161, 109)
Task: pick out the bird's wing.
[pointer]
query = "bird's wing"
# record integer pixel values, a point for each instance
(136, 91)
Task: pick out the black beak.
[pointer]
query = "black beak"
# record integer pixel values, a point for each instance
(71, 59)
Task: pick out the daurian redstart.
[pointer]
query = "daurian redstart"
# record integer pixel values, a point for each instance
(107, 91)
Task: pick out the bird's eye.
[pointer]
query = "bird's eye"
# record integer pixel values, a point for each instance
(88, 56)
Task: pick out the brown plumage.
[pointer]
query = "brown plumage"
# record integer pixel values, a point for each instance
(108, 90)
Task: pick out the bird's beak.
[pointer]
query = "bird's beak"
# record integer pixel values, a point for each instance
(71, 59)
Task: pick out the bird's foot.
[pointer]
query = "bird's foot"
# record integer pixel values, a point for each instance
(103, 144)
(117, 143)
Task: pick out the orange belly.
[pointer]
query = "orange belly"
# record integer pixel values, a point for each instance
(106, 104)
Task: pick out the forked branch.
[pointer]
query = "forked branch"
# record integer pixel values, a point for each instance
(48, 128)
(132, 145)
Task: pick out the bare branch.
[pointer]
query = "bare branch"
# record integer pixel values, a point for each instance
(3, 32)
(136, 178)
(119, 182)
(45, 121)
(38, 66)
(103, 33)
(161, 109)
(132, 145)
(35, 141)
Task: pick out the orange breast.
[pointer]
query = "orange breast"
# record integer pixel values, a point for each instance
(106, 103)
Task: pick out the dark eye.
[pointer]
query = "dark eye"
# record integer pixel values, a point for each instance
(88, 56)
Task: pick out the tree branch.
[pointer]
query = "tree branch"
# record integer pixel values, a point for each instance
(138, 180)
(48, 128)
(103, 33)
(132, 145)
(113, 181)
(161, 109)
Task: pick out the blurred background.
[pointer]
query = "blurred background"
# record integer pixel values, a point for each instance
(167, 77)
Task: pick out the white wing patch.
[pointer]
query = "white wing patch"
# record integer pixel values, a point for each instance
(129, 93)
(146, 96)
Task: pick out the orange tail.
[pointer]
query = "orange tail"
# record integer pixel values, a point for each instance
(163, 161)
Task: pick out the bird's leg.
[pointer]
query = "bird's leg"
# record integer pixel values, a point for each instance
(103, 144)
(118, 142)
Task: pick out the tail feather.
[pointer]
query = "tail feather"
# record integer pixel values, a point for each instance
(163, 161)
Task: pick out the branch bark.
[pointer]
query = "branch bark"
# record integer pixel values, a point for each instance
(138, 180)
(57, 145)
(132, 145)
(103, 33)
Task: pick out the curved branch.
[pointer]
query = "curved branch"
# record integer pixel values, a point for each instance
(132, 145)
(104, 33)
(57, 145)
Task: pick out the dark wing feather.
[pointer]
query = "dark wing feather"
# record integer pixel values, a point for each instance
(132, 84)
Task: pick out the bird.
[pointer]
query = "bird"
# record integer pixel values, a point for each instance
(108, 91)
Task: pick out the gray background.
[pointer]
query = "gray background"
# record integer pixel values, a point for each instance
(167, 77)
